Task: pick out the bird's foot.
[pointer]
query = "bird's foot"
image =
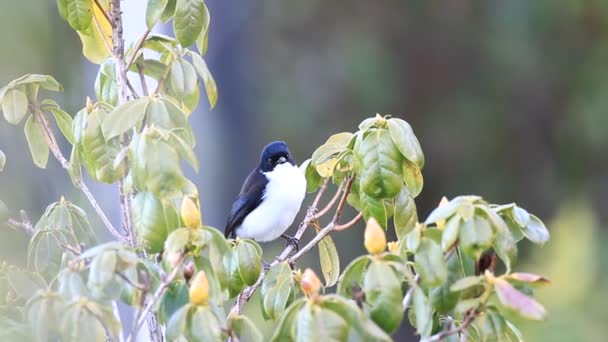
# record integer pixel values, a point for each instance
(265, 265)
(295, 242)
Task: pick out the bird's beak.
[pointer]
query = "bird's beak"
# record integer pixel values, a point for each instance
(282, 160)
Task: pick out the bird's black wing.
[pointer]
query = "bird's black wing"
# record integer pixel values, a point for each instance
(249, 199)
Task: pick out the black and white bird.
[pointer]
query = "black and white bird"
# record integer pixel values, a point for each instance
(269, 199)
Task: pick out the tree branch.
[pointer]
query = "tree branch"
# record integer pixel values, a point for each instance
(24, 224)
(142, 316)
(468, 319)
(49, 136)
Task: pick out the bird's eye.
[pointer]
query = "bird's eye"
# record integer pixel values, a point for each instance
(270, 160)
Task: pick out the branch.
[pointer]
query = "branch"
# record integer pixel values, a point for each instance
(155, 298)
(341, 227)
(468, 319)
(24, 224)
(311, 216)
(49, 136)
(140, 44)
(331, 203)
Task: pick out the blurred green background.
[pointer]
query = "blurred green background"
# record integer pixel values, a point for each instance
(509, 100)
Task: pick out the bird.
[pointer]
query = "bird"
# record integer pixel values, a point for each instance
(270, 198)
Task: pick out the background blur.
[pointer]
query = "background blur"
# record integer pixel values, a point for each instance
(509, 100)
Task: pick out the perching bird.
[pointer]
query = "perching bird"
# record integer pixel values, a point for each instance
(269, 199)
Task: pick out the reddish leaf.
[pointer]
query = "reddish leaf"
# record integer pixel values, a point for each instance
(512, 299)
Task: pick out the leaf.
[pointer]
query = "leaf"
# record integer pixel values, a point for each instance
(430, 263)
(14, 106)
(189, 20)
(450, 233)
(384, 294)
(446, 210)
(24, 283)
(79, 14)
(177, 240)
(330, 261)
(380, 167)
(412, 239)
(205, 326)
(536, 231)
(245, 329)
(423, 312)
(405, 140)
(475, 235)
(203, 72)
(352, 276)
(285, 327)
(2, 160)
(276, 290)
(365, 329)
(521, 216)
(492, 326)
(176, 326)
(124, 117)
(96, 39)
(106, 87)
(154, 11)
(512, 299)
(313, 178)
(175, 297)
(467, 282)
(372, 207)
(37, 142)
(64, 122)
(154, 220)
(406, 215)
(202, 42)
(249, 262)
(529, 278)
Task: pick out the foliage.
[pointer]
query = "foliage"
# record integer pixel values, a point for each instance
(442, 273)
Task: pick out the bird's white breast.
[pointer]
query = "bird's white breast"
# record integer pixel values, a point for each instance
(281, 202)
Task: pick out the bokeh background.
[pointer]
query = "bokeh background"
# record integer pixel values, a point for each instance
(509, 100)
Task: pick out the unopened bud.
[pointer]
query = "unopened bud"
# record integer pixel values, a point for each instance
(374, 237)
(199, 289)
(173, 258)
(441, 223)
(310, 283)
(191, 215)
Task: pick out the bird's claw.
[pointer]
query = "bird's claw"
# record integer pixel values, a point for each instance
(265, 266)
(292, 241)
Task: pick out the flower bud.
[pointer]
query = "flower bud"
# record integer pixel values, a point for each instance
(173, 258)
(191, 215)
(441, 223)
(374, 238)
(310, 283)
(199, 289)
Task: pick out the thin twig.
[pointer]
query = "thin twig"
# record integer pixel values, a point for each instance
(130, 282)
(139, 45)
(24, 224)
(142, 78)
(49, 136)
(155, 298)
(331, 203)
(341, 227)
(468, 319)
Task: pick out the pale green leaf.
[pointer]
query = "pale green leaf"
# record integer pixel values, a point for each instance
(406, 216)
(407, 143)
(330, 261)
(154, 11)
(423, 311)
(430, 263)
(203, 72)
(189, 20)
(536, 231)
(37, 142)
(64, 122)
(380, 165)
(79, 14)
(124, 117)
(14, 106)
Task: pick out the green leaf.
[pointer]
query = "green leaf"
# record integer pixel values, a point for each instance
(154, 11)
(406, 216)
(313, 178)
(423, 311)
(450, 233)
(106, 87)
(37, 143)
(176, 327)
(205, 326)
(64, 121)
(169, 11)
(412, 239)
(372, 207)
(492, 326)
(249, 262)
(189, 20)
(202, 42)
(245, 329)
(383, 293)
(536, 231)
(285, 327)
(364, 328)
(2, 160)
(407, 143)
(24, 283)
(43, 313)
(124, 117)
(79, 14)
(466, 283)
(444, 211)
(513, 300)
(430, 263)
(203, 72)
(521, 216)
(102, 270)
(330, 261)
(14, 106)
(380, 167)
(166, 114)
(177, 240)
(154, 220)
(475, 235)
(175, 297)
(276, 290)
(352, 276)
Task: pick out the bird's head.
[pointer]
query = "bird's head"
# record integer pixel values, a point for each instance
(275, 153)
